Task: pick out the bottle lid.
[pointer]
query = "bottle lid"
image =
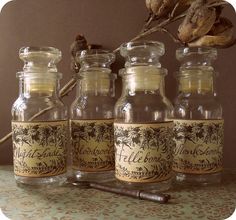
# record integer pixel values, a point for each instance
(142, 53)
(40, 68)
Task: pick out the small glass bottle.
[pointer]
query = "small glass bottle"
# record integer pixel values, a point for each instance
(142, 128)
(39, 120)
(198, 130)
(92, 117)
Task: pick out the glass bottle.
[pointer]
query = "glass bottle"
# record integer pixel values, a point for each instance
(39, 120)
(92, 117)
(142, 128)
(198, 119)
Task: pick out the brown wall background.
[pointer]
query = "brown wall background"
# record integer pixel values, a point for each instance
(106, 22)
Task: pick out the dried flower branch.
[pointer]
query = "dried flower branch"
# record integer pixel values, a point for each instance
(201, 26)
(160, 27)
(199, 17)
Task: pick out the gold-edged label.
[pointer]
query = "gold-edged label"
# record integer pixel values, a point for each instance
(93, 145)
(143, 152)
(39, 148)
(198, 146)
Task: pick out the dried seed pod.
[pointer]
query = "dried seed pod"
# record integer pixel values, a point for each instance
(79, 44)
(221, 25)
(198, 21)
(224, 39)
(160, 7)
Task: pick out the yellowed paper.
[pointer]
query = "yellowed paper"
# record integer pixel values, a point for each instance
(199, 146)
(143, 151)
(93, 145)
(39, 148)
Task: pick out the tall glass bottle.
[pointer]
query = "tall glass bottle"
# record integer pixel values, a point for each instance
(198, 119)
(92, 117)
(143, 131)
(39, 140)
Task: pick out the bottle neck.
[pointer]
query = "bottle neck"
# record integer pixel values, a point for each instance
(196, 82)
(143, 79)
(39, 88)
(96, 83)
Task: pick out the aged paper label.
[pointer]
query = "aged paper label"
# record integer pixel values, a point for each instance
(93, 145)
(39, 148)
(143, 151)
(199, 146)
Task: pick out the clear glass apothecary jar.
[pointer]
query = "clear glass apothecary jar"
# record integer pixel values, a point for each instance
(92, 117)
(198, 131)
(39, 120)
(142, 128)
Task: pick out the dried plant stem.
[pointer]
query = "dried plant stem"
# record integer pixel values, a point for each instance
(67, 88)
(158, 27)
(63, 92)
(176, 40)
(71, 84)
(161, 26)
(146, 30)
(148, 22)
(5, 138)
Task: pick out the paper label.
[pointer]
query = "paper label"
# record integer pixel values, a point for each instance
(93, 145)
(39, 148)
(143, 152)
(199, 146)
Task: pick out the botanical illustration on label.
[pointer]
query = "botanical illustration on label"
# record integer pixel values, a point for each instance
(199, 146)
(93, 145)
(39, 148)
(143, 152)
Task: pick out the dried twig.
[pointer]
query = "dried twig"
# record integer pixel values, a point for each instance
(158, 27)
(146, 30)
(175, 39)
(174, 10)
(161, 26)
(148, 22)
(5, 138)
(67, 88)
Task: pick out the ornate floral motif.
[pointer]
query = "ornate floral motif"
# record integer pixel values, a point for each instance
(143, 151)
(199, 146)
(39, 148)
(93, 145)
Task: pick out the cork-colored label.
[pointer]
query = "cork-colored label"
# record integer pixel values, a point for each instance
(143, 152)
(199, 146)
(93, 145)
(39, 148)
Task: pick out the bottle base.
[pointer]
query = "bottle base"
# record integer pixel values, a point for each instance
(155, 187)
(44, 181)
(198, 179)
(98, 177)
